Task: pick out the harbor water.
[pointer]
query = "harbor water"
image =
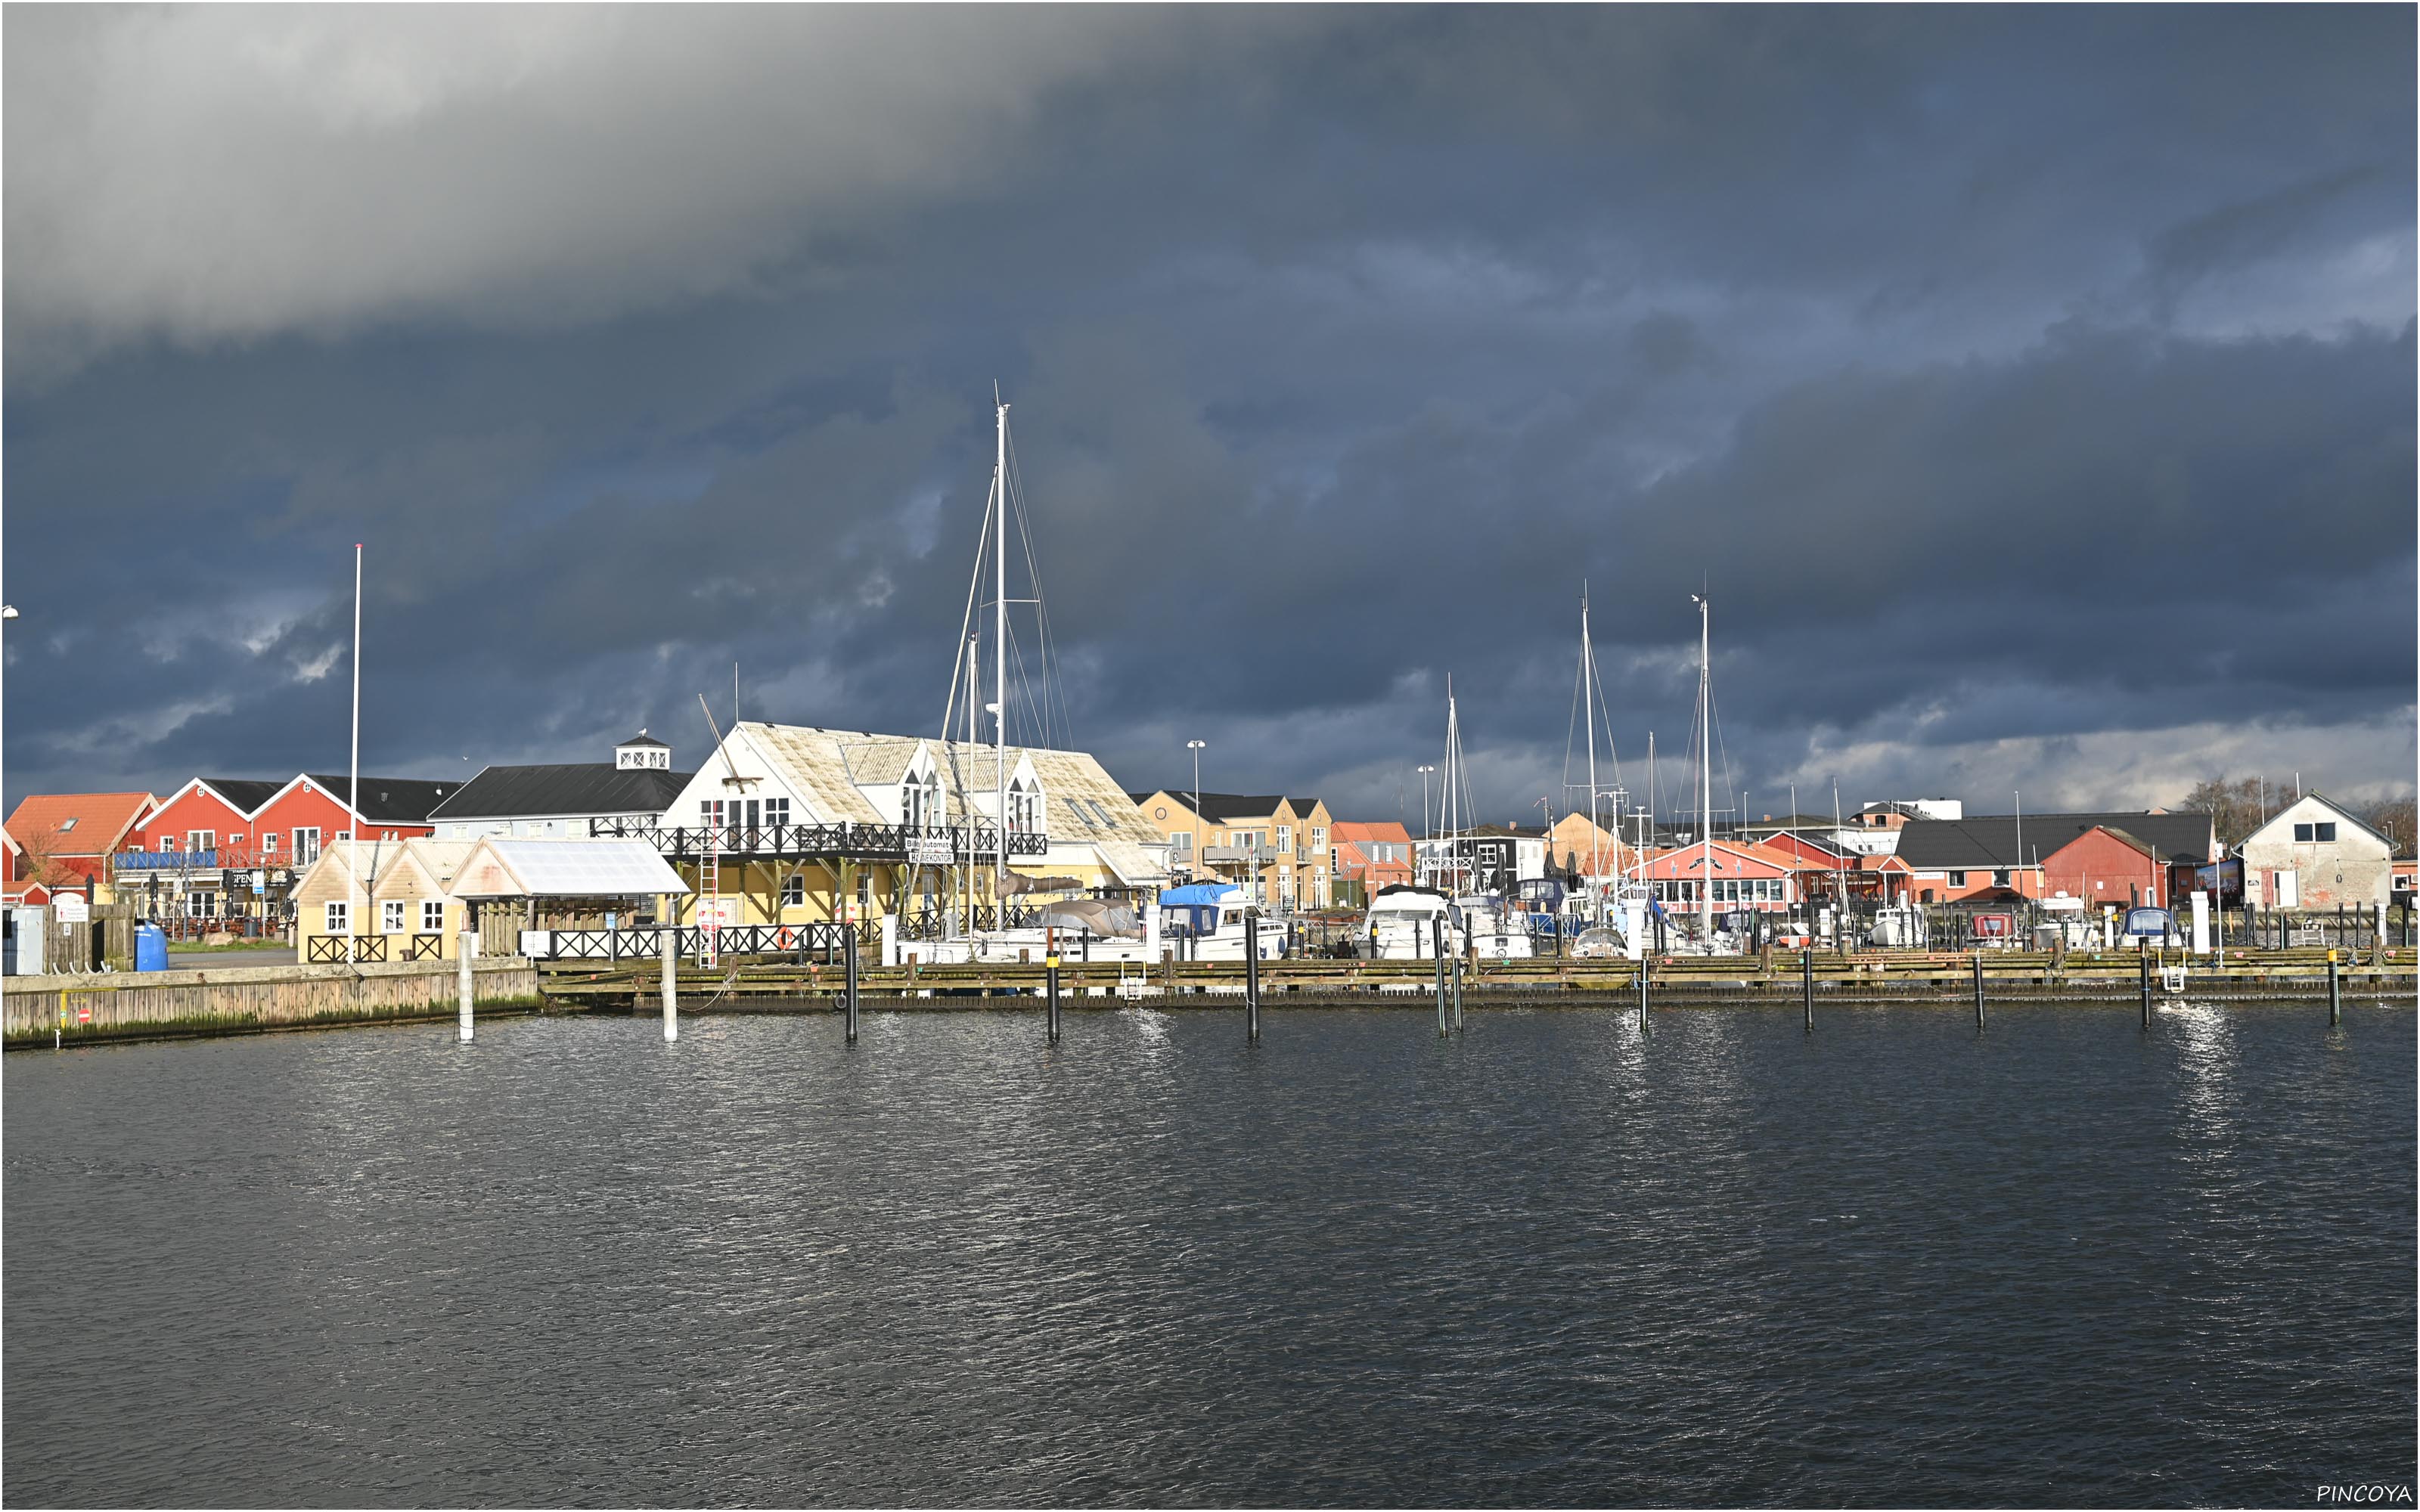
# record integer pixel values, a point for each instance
(1547, 1262)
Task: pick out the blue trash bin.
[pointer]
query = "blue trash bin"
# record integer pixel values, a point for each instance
(150, 948)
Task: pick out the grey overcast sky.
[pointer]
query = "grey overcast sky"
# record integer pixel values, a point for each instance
(2032, 389)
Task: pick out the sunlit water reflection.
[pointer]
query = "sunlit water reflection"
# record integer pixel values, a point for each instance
(1547, 1262)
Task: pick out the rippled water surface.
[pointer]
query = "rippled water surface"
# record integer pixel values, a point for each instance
(1546, 1262)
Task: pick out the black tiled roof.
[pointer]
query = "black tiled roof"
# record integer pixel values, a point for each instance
(643, 738)
(389, 800)
(1229, 808)
(1988, 841)
(244, 792)
(1304, 805)
(569, 788)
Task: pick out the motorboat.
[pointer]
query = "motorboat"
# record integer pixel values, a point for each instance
(1205, 921)
(1402, 921)
(1494, 929)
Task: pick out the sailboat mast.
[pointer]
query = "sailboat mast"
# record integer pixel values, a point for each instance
(1705, 782)
(1447, 810)
(1000, 642)
(1588, 696)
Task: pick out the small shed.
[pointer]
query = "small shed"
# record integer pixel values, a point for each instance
(566, 883)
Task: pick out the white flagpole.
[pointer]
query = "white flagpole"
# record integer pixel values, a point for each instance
(353, 792)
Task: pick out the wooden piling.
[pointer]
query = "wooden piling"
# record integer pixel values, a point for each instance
(669, 940)
(2336, 994)
(848, 996)
(1252, 979)
(1436, 930)
(1806, 980)
(1978, 989)
(2144, 956)
(463, 945)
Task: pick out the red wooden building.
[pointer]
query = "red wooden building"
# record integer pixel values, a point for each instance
(64, 841)
(2107, 865)
(180, 858)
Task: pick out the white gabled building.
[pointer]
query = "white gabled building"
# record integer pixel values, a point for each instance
(2314, 854)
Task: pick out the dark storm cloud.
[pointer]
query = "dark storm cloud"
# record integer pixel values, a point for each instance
(2032, 389)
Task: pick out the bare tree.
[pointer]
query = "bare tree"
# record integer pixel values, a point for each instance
(43, 865)
(2395, 819)
(2234, 806)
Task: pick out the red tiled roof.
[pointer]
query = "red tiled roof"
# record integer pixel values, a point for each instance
(100, 820)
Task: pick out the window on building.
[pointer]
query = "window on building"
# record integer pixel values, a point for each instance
(1285, 839)
(204, 904)
(268, 843)
(2000, 877)
(2301, 834)
(68, 823)
(432, 916)
(1318, 838)
(2325, 833)
(1181, 841)
(1958, 879)
(391, 916)
(793, 890)
(167, 843)
(339, 917)
(307, 844)
(201, 840)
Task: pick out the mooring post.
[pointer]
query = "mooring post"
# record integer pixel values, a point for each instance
(463, 945)
(848, 996)
(2144, 955)
(2335, 993)
(1437, 932)
(1051, 991)
(1457, 991)
(1806, 984)
(1642, 994)
(1252, 979)
(1978, 989)
(671, 946)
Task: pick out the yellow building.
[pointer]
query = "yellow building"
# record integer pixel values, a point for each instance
(412, 899)
(399, 907)
(794, 824)
(1274, 847)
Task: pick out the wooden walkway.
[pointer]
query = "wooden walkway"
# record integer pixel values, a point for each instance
(1898, 977)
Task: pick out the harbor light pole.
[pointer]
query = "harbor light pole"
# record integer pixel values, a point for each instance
(354, 796)
(1195, 746)
(1428, 830)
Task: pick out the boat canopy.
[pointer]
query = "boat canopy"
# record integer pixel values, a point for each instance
(1112, 921)
(1200, 895)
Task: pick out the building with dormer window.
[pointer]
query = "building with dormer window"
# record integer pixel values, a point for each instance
(794, 824)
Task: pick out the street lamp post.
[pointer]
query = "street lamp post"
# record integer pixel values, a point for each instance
(1195, 746)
